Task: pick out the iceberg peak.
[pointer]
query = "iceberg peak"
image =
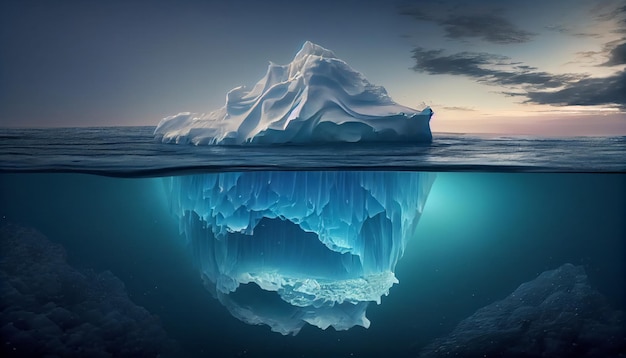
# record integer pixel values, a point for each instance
(311, 49)
(316, 98)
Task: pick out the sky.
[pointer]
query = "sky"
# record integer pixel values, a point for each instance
(549, 67)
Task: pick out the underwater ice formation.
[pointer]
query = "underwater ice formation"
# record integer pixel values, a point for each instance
(558, 314)
(326, 243)
(315, 98)
(50, 309)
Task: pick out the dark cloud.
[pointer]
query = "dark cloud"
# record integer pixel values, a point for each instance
(607, 16)
(489, 26)
(487, 68)
(585, 92)
(617, 55)
(525, 81)
(616, 50)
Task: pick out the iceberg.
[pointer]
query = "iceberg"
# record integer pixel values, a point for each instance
(317, 98)
(324, 243)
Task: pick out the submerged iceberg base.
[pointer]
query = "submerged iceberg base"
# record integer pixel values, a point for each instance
(325, 244)
(249, 304)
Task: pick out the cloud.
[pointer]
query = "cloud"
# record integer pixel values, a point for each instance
(617, 55)
(569, 31)
(487, 68)
(587, 54)
(608, 13)
(536, 86)
(558, 28)
(586, 34)
(613, 17)
(615, 50)
(530, 84)
(458, 108)
(585, 92)
(489, 26)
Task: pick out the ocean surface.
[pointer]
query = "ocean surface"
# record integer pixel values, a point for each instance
(92, 260)
(132, 151)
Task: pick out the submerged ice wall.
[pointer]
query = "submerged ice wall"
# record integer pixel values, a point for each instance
(315, 98)
(326, 243)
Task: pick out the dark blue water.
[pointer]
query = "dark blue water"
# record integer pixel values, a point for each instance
(500, 212)
(131, 151)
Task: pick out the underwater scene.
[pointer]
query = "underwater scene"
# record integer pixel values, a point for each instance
(346, 178)
(354, 262)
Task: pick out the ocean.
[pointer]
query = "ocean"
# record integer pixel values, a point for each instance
(94, 262)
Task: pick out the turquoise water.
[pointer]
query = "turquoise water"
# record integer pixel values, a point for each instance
(480, 236)
(500, 212)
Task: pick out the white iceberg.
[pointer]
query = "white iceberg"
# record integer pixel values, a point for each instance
(316, 98)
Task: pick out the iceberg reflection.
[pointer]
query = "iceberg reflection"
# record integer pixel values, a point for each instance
(325, 243)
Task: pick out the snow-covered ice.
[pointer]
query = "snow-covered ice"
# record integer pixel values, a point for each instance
(317, 98)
